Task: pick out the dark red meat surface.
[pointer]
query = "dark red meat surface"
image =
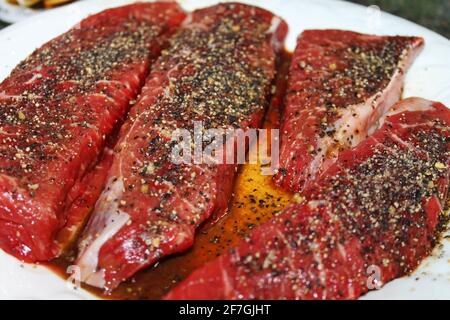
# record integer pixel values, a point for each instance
(81, 201)
(218, 69)
(340, 83)
(56, 110)
(378, 207)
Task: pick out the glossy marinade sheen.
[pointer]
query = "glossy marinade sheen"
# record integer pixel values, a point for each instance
(340, 83)
(218, 69)
(57, 108)
(377, 211)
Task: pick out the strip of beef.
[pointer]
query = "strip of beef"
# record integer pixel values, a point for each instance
(372, 217)
(217, 70)
(81, 201)
(340, 83)
(56, 110)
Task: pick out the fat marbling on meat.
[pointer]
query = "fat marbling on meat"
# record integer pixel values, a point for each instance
(340, 83)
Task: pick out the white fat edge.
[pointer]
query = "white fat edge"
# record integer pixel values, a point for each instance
(342, 251)
(409, 55)
(227, 284)
(424, 124)
(363, 112)
(407, 105)
(106, 213)
(35, 77)
(318, 160)
(109, 219)
(187, 20)
(378, 103)
(3, 95)
(390, 95)
(274, 24)
(406, 144)
(411, 104)
(96, 279)
(345, 127)
(189, 24)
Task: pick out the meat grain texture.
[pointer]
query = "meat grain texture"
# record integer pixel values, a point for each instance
(218, 69)
(372, 217)
(340, 83)
(57, 108)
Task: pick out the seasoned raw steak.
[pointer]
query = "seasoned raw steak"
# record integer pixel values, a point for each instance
(340, 83)
(57, 108)
(218, 69)
(375, 212)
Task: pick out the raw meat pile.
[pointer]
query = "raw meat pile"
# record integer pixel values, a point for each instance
(86, 124)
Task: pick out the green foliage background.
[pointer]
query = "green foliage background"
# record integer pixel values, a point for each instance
(433, 14)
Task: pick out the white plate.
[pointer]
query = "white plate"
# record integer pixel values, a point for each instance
(428, 78)
(11, 13)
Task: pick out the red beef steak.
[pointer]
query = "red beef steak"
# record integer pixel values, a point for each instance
(377, 211)
(340, 83)
(218, 69)
(56, 110)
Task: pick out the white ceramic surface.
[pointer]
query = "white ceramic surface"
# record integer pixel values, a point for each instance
(11, 13)
(429, 78)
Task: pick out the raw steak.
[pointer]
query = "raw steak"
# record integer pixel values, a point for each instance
(340, 83)
(372, 217)
(57, 108)
(218, 69)
(81, 199)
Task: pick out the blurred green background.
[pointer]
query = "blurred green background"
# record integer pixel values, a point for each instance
(433, 14)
